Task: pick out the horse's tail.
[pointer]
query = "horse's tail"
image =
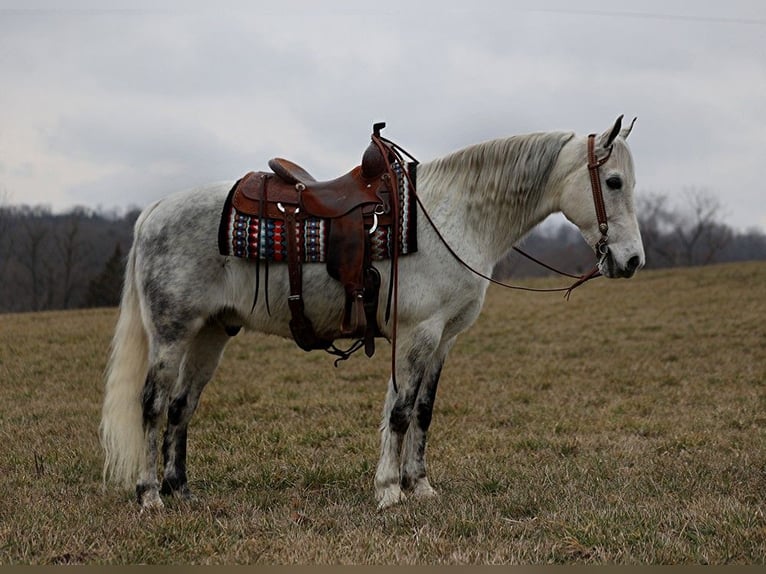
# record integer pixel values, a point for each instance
(122, 433)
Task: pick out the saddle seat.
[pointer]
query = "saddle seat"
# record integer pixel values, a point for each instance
(336, 197)
(290, 172)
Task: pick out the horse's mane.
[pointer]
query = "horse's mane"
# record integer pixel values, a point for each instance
(509, 170)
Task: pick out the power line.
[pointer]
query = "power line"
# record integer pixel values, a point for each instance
(653, 16)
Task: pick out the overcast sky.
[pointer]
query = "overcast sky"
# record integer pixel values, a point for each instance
(115, 108)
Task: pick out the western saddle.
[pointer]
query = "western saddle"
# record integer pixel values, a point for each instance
(353, 206)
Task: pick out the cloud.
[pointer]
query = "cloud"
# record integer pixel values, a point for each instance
(127, 106)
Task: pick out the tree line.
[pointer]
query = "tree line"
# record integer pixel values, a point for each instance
(61, 261)
(76, 259)
(686, 232)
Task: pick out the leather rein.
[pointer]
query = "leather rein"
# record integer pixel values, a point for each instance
(601, 247)
(396, 152)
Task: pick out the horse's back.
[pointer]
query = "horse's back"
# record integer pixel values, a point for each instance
(200, 204)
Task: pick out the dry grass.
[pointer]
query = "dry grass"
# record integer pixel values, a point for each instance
(625, 426)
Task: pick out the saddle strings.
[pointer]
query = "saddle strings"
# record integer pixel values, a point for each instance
(392, 153)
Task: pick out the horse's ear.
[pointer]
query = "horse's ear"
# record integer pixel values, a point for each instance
(625, 132)
(609, 136)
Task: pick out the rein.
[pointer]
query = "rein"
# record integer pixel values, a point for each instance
(397, 152)
(601, 246)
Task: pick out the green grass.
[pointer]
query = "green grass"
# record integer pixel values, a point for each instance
(627, 425)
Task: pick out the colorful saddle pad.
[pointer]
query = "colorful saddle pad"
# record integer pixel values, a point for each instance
(244, 235)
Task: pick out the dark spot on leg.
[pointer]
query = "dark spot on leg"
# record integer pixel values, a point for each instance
(148, 398)
(425, 412)
(175, 479)
(401, 413)
(141, 489)
(176, 409)
(175, 484)
(229, 319)
(400, 418)
(174, 446)
(425, 405)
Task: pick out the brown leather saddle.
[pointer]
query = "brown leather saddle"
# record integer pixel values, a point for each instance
(353, 206)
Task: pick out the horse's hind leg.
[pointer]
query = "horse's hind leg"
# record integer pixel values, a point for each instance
(164, 363)
(197, 369)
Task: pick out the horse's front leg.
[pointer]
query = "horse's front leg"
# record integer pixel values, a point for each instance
(413, 359)
(414, 477)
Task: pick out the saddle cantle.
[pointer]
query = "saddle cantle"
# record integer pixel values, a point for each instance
(361, 216)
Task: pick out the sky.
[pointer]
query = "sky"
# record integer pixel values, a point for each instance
(112, 108)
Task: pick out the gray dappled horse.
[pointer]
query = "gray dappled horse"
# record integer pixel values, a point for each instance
(181, 299)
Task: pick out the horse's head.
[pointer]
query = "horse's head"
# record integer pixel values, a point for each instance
(608, 224)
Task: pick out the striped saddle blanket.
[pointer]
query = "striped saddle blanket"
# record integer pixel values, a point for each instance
(251, 236)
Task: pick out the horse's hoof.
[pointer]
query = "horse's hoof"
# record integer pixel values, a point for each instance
(148, 496)
(152, 502)
(179, 491)
(390, 496)
(423, 489)
(184, 494)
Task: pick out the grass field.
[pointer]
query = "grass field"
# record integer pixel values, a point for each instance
(627, 425)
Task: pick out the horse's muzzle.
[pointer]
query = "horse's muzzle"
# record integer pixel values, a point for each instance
(610, 268)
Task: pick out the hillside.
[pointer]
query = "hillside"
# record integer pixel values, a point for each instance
(626, 425)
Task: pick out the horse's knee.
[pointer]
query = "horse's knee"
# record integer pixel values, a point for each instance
(399, 419)
(409, 401)
(424, 406)
(400, 406)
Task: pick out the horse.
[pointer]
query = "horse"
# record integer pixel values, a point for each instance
(182, 300)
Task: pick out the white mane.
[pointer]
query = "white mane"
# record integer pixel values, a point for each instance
(498, 181)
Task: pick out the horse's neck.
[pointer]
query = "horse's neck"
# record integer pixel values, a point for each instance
(487, 198)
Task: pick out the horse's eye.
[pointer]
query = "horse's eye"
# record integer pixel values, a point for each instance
(614, 182)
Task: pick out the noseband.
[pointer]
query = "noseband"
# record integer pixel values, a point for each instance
(602, 248)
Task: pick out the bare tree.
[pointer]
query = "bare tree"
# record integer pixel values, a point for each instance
(6, 240)
(70, 246)
(690, 233)
(34, 254)
(657, 220)
(700, 232)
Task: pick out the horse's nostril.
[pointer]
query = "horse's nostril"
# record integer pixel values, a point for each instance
(633, 263)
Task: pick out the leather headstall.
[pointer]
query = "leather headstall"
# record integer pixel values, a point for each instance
(598, 195)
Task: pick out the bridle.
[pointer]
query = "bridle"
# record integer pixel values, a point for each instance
(602, 245)
(393, 152)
